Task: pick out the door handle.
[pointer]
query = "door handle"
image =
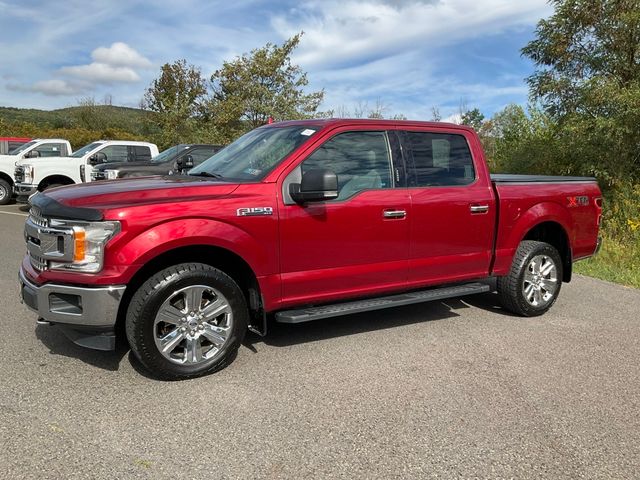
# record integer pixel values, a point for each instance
(479, 208)
(394, 213)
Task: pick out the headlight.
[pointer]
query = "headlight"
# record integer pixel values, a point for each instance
(89, 241)
(27, 173)
(111, 174)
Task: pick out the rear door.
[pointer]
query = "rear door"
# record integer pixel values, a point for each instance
(453, 211)
(356, 244)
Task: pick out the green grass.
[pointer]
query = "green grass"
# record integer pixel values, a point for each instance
(616, 262)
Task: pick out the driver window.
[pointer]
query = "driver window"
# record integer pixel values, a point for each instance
(361, 161)
(115, 153)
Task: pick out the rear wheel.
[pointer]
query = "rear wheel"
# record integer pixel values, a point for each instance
(187, 320)
(5, 192)
(533, 284)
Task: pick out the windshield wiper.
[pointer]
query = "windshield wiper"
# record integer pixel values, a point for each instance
(206, 174)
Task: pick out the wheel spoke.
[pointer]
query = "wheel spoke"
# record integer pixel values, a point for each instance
(528, 277)
(194, 350)
(215, 308)
(547, 268)
(215, 335)
(171, 340)
(537, 297)
(169, 314)
(193, 298)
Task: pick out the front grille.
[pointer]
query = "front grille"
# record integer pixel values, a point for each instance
(37, 262)
(19, 174)
(36, 217)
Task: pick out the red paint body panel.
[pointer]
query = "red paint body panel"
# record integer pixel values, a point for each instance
(328, 251)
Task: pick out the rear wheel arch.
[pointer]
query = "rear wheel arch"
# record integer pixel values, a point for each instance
(554, 234)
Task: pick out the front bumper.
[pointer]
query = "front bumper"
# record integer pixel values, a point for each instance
(23, 191)
(86, 314)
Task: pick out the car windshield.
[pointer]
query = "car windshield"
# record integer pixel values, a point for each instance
(254, 154)
(168, 154)
(22, 148)
(85, 149)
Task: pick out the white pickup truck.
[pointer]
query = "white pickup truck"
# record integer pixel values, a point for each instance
(38, 148)
(37, 175)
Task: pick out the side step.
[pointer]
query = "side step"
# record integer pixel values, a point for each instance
(346, 308)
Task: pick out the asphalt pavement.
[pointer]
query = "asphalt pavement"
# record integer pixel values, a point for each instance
(454, 389)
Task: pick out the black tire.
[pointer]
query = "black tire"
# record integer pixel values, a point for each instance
(511, 287)
(6, 192)
(151, 295)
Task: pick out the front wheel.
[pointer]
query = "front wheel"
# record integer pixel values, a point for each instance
(533, 283)
(5, 192)
(186, 321)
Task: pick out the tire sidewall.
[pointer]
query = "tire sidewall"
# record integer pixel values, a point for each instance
(549, 251)
(6, 188)
(143, 326)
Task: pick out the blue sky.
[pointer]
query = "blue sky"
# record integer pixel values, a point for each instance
(409, 55)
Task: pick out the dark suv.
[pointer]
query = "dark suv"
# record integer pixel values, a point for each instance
(172, 160)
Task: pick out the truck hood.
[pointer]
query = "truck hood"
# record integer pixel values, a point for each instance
(47, 161)
(112, 194)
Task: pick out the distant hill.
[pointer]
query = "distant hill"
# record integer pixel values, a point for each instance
(92, 117)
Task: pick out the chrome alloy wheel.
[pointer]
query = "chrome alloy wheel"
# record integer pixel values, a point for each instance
(540, 281)
(3, 193)
(193, 325)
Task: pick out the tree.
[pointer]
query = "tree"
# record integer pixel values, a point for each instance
(176, 97)
(588, 79)
(473, 118)
(265, 83)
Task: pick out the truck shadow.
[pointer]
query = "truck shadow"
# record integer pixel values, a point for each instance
(58, 344)
(282, 335)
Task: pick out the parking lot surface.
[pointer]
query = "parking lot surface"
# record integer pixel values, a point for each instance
(454, 389)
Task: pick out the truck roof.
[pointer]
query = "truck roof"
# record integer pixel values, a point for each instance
(127, 142)
(335, 122)
(49, 140)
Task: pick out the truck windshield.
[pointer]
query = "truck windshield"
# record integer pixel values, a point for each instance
(22, 148)
(254, 154)
(168, 154)
(85, 149)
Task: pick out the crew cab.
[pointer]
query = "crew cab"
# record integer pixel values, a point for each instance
(176, 159)
(38, 175)
(38, 148)
(293, 222)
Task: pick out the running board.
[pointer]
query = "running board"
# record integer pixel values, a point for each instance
(357, 306)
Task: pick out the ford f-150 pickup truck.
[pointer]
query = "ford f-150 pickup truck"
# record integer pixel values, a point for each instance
(298, 221)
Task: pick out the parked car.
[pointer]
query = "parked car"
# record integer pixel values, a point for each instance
(299, 221)
(176, 159)
(8, 144)
(38, 148)
(38, 175)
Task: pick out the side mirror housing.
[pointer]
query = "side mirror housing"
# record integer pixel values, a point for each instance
(318, 185)
(185, 162)
(97, 158)
(32, 154)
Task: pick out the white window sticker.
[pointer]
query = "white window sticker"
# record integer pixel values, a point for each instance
(307, 132)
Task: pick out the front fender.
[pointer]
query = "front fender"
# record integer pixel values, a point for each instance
(147, 245)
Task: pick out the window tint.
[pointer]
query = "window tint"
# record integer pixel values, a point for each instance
(116, 153)
(439, 159)
(14, 146)
(142, 153)
(51, 150)
(360, 159)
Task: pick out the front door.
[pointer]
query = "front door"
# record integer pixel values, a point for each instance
(356, 244)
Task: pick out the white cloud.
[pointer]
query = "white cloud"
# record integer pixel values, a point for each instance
(53, 87)
(101, 73)
(119, 54)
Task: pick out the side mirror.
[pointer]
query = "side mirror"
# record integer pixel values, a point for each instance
(318, 185)
(185, 162)
(97, 158)
(32, 154)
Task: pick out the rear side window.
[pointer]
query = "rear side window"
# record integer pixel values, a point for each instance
(14, 145)
(360, 160)
(51, 150)
(141, 153)
(199, 155)
(439, 159)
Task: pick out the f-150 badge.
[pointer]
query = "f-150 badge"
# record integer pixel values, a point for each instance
(254, 211)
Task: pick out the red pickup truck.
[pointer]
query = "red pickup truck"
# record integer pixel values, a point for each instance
(297, 221)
